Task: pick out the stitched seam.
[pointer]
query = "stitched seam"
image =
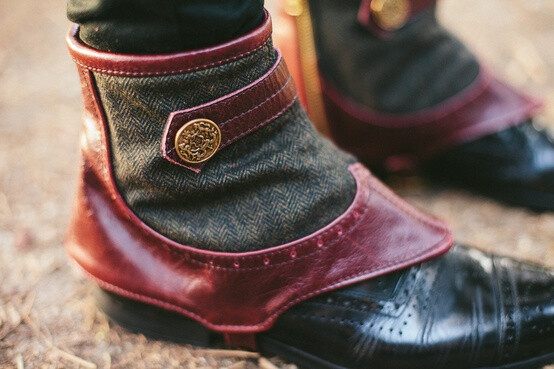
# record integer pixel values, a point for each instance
(273, 265)
(226, 102)
(175, 71)
(331, 286)
(180, 252)
(275, 253)
(145, 298)
(270, 77)
(190, 256)
(187, 254)
(254, 107)
(399, 120)
(173, 125)
(250, 130)
(394, 202)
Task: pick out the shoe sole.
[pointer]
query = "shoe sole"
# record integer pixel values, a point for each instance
(157, 323)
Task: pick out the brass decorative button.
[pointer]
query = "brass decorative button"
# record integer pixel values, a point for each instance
(197, 140)
(391, 15)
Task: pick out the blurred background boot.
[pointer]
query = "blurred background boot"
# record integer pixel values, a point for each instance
(388, 83)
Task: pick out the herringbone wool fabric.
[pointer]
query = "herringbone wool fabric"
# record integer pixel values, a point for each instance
(276, 185)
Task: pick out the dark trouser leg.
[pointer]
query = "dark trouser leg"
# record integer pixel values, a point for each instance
(162, 26)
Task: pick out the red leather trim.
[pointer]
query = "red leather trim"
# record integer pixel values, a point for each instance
(366, 18)
(165, 64)
(401, 142)
(98, 149)
(242, 292)
(239, 113)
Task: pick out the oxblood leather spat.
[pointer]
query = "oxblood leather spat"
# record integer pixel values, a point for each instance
(246, 292)
(235, 293)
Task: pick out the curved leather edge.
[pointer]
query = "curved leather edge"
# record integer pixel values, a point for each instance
(401, 142)
(165, 64)
(237, 114)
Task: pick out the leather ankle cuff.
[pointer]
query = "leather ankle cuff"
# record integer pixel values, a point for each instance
(485, 107)
(166, 64)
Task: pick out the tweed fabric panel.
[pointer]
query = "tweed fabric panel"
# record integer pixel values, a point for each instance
(418, 66)
(278, 184)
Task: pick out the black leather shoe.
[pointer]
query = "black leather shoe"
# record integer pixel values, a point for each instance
(466, 309)
(463, 310)
(515, 165)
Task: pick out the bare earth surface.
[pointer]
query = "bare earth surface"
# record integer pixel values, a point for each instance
(47, 317)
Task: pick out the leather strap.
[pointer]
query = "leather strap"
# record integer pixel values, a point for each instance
(369, 18)
(166, 64)
(237, 114)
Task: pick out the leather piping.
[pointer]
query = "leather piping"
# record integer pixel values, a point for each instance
(166, 64)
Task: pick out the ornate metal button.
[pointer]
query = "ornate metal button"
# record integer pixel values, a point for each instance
(390, 15)
(197, 140)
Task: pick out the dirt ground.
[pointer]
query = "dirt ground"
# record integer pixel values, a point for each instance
(47, 317)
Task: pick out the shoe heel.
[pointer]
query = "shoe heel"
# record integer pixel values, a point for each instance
(153, 321)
